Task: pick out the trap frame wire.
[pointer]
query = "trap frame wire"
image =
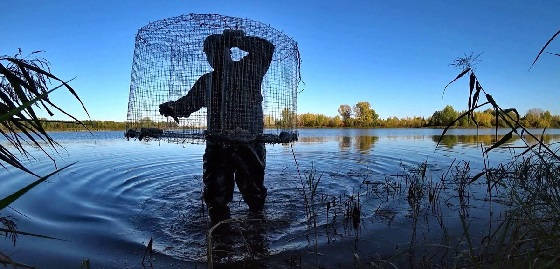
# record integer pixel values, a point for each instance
(229, 93)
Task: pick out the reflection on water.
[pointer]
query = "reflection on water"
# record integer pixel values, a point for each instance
(121, 193)
(345, 142)
(365, 139)
(312, 139)
(475, 140)
(362, 143)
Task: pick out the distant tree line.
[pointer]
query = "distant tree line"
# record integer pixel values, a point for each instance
(93, 125)
(362, 115)
(534, 118)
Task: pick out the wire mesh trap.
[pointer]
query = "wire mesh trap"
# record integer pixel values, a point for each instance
(208, 76)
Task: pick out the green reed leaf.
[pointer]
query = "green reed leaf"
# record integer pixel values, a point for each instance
(14, 196)
(25, 105)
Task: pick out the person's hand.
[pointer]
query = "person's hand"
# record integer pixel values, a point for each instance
(167, 109)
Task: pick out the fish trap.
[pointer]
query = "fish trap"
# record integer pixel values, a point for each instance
(208, 76)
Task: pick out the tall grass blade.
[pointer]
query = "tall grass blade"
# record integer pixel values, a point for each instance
(5, 260)
(514, 110)
(14, 196)
(456, 120)
(30, 234)
(472, 82)
(476, 93)
(504, 139)
(491, 100)
(543, 48)
(27, 104)
(43, 72)
(477, 176)
(9, 158)
(458, 77)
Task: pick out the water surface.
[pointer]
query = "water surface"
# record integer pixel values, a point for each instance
(121, 193)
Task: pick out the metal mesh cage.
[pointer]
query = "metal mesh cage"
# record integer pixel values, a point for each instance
(198, 76)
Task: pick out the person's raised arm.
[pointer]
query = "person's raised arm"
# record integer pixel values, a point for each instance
(184, 106)
(258, 48)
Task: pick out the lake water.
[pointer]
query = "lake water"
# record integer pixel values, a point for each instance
(121, 193)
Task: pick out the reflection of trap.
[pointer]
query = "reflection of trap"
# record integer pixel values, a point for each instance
(202, 76)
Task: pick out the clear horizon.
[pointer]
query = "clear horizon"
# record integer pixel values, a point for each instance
(394, 56)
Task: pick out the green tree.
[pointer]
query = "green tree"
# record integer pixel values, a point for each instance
(306, 120)
(322, 120)
(335, 122)
(269, 121)
(444, 117)
(365, 115)
(533, 118)
(345, 112)
(555, 121)
(485, 118)
(288, 118)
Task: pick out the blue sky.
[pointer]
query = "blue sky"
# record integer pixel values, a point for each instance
(394, 54)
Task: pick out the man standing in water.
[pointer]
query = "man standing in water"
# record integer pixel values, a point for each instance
(232, 95)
